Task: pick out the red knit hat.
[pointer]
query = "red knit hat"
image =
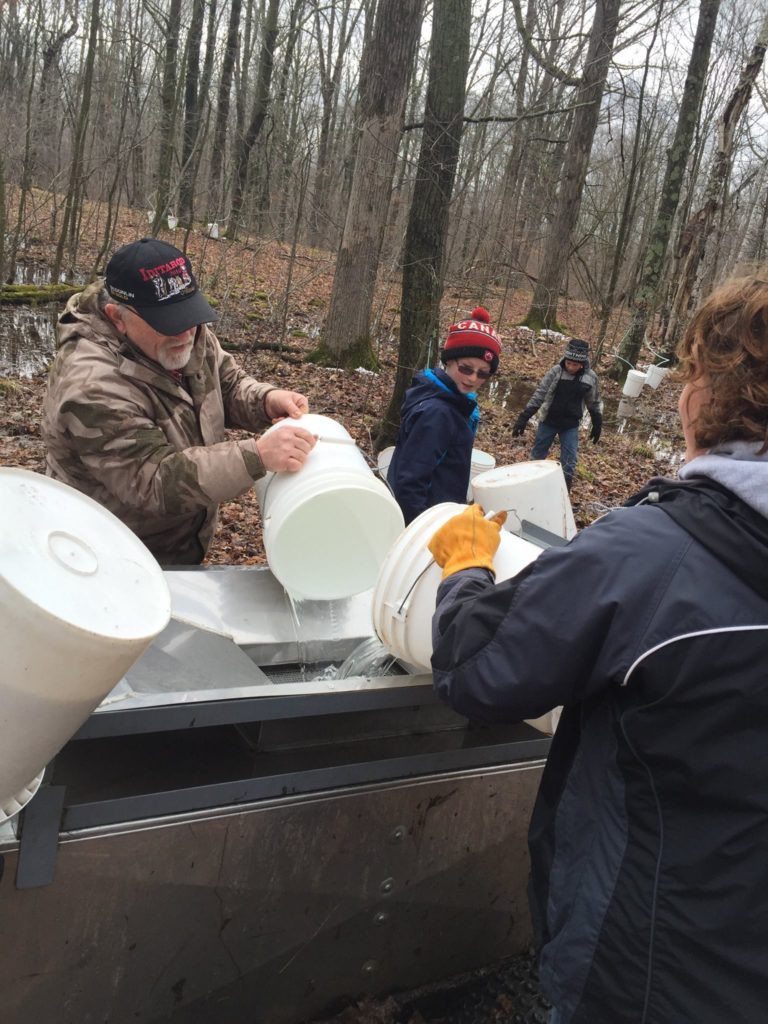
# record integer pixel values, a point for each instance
(473, 338)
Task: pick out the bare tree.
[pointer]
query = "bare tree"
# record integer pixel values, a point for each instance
(384, 73)
(218, 149)
(697, 232)
(556, 249)
(258, 115)
(677, 159)
(170, 27)
(428, 220)
(74, 191)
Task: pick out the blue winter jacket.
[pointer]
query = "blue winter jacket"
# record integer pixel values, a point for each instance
(649, 839)
(433, 453)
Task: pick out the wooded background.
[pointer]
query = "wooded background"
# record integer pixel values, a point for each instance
(614, 151)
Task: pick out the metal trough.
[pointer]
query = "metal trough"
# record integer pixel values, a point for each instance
(231, 839)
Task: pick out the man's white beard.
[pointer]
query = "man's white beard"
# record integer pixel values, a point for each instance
(175, 360)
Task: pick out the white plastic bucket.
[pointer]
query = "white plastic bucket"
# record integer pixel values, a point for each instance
(383, 461)
(80, 600)
(654, 375)
(328, 527)
(481, 463)
(405, 592)
(534, 491)
(633, 385)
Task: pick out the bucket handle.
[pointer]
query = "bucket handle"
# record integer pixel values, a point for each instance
(401, 605)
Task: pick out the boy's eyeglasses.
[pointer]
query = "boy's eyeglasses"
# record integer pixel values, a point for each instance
(470, 371)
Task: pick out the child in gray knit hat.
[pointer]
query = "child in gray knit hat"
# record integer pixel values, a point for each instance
(560, 398)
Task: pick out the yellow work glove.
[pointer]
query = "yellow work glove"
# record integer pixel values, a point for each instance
(467, 541)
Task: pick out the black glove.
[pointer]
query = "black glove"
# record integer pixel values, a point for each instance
(520, 423)
(597, 427)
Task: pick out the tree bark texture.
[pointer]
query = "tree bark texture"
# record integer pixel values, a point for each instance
(696, 234)
(671, 189)
(589, 95)
(430, 206)
(258, 114)
(74, 191)
(215, 196)
(168, 102)
(385, 70)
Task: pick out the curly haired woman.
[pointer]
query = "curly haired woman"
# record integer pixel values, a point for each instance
(649, 840)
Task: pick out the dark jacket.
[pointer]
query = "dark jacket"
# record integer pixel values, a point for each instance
(649, 839)
(433, 453)
(560, 397)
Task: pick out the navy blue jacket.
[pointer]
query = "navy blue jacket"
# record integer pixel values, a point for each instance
(649, 839)
(433, 453)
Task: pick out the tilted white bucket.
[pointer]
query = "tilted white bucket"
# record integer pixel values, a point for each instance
(383, 461)
(81, 598)
(405, 592)
(481, 463)
(534, 491)
(328, 527)
(633, 385)
(654, 375)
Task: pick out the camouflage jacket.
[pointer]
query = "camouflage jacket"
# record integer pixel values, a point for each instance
(150, 449)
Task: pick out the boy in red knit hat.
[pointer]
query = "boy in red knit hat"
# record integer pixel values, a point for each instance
(439, 419)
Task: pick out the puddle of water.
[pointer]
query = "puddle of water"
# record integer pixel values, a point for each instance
(27, 339)
(28, 333)
(510, 394)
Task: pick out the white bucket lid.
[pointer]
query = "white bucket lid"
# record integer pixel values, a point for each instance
(481, 459)
(73, 560)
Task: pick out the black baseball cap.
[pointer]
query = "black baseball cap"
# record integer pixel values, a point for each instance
(156, 279)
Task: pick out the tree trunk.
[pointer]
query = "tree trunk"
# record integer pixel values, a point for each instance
(76, 168)
(629, 205)
(696, 234)
(258, 115)
(543, 311)
(168, 104)
(191, 127)
(430, 206)
(330, 78)
(385, 69)
(677, 160)
(218, 149)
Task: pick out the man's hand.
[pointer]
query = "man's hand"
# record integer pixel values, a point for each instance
(520, 424)
(467, 541)
(597, 427)
(285, 450)
(279, 404)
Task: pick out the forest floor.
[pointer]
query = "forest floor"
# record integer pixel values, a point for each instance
(265, 298)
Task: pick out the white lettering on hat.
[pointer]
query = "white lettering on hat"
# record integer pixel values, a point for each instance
(168, 287)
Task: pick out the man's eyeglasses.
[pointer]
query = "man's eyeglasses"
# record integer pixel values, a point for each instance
(470, 371)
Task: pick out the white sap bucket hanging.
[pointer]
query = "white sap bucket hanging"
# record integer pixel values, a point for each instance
(383, 461)
(81, 598)
(633, 385)
(328, 527)
(655, 374)
(405, 592)
(481, 463)
(534, 491)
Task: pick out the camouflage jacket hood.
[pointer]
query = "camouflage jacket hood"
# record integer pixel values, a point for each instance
(151, 449)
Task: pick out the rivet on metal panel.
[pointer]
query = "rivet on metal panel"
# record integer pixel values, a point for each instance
(387, 886)
(369, 967)
(380, 917)
(399, 834)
